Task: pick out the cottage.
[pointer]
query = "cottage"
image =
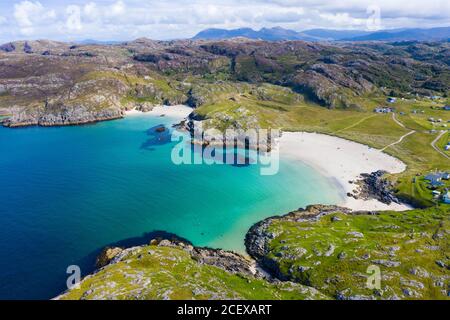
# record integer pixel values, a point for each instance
(391, 100)
(446, 176)
(383, 110)
(446, 197)
(435, 180)
(434, 176)
(447, 108)
(436, 193)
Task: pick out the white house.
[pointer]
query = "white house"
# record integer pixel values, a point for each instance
(446, 197)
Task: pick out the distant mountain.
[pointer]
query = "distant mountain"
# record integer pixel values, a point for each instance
(433, 34)
(269, 34)
(332, 35)
(278, 33)
(97, 42)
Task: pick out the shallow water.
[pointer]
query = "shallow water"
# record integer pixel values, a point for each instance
(67, 192)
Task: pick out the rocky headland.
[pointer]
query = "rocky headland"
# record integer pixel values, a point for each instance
(320, 252)
(54, 83)
(171, 270)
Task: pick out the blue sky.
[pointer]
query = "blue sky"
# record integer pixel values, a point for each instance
(157, 19)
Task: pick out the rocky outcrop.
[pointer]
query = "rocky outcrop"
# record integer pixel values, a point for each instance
(106, 256)
(170, 269)
(375, 186)
(290, 252)
(145, 107)
(332, 250)
(65, 116)
(258, 237)
(226, 260)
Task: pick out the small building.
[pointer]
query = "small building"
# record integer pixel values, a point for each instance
(446, 197)
(434, 180)
(383, 110)
(434, 176)
(436, 193)
(446, 176)
(447, 108)
(447, 147)
(391, 100)
(435, 184)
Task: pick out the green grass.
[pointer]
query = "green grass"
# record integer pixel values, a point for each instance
(290, 112)
(153, 272)
(414, 239)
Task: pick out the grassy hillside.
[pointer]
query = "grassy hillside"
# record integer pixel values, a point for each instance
(270, 106)
(332, 253)
(322, 252)
(158, 272)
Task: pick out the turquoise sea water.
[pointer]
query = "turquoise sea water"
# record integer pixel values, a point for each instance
(67, 192)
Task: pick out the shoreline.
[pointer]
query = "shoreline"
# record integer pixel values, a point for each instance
(177, 111)
(338, 159)
(341, 161)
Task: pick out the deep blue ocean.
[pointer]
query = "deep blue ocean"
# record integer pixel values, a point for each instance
(67, 192)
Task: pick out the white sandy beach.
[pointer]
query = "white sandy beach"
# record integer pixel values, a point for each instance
(342, 160)
(178, 111)
(336, 158)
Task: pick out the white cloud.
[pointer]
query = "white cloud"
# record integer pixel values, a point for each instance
(31, 13)
(73, 22)
(159, 19)
(24, 11)
(2, 20)
(410, 8)
(90, 11)
(117, 8)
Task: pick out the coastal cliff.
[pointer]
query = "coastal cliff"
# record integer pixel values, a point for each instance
(169, 270)
(335, 251)
(62, 117)
(319, 252)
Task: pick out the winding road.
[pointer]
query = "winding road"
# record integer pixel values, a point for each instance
(399, 140)
(396, 121)
(402, 137)
(433, 144)
(356, 123)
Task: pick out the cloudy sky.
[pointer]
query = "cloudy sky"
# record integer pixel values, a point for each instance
(157, 19)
